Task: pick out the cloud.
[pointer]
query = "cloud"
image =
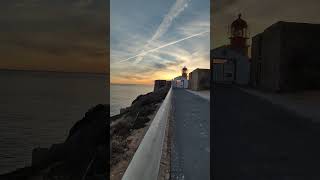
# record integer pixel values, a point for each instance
(260, 15)
(175, 10)
(163, 46)
(159, 65)
(54, 35)
(219, 5)
(173, 13)
(184, 43)
(192, 27)
(165, 63)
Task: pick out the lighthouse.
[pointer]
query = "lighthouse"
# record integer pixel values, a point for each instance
(185, 72)
(181, 81)
(239, 36)
(231, 63)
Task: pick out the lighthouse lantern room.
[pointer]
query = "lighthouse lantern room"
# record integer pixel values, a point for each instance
(239, 35)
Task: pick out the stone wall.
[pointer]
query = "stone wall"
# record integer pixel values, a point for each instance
(159, 84)
(199, 79)
(284, 57)
(301, 65)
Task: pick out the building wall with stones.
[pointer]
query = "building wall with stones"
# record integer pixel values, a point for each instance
(159, 84)
(285, 57)
(199, 79)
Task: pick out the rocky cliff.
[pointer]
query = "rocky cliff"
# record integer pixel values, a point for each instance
(84, 153)
(128, 128)
(81, 156)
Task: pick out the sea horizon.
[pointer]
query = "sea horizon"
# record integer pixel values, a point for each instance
(128, 84)
(39, 109)
(52, 71)
(122, 95)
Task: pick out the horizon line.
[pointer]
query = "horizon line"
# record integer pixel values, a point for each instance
(54, 71)
(130, 84)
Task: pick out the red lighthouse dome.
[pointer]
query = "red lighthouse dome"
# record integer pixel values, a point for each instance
(239, 23)
(185, 72)
(239, 36)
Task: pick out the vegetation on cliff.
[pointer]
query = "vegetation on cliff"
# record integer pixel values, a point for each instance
(128, 128)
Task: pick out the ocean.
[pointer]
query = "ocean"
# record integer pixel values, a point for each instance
(121, 96)
(38, 109)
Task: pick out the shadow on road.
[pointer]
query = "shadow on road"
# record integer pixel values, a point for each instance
(254, 139)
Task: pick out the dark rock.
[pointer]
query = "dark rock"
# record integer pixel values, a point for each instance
(148, 99)
(147, 110)
(99, 166)
(141, 97)
(135, 116)
(140, 122)
(121, 128)
(84, 137)
(20, 174)
(158, 84)
(71, 158)
(96, 115)
(118, 145)
(39, 155)
(130, 118)
(123, 110)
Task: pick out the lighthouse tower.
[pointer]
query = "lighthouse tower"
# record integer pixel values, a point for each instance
(185, 72)
(239, 36)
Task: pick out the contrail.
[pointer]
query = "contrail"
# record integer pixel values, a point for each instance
(165, 45)
(178, 7)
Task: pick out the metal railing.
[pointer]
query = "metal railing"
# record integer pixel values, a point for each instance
(145, 163)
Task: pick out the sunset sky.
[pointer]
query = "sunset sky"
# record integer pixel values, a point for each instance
(152, 39)
(54, 35)
(260, 15)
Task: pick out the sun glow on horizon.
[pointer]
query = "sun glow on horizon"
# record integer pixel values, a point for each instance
(160, 42)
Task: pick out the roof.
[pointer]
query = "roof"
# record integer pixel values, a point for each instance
(180, 78)
(225, 52)
(239, 23)
(201, 69)
(291, 24)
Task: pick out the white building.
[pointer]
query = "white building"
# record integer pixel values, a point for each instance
(229, 66)
(231, 63)
(180, 82)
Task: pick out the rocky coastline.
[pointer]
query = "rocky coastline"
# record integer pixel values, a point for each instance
(129, 127)
(81, 156)
(84, 153)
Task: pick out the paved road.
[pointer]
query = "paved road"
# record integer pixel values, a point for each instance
(190, 153)
(254, 139)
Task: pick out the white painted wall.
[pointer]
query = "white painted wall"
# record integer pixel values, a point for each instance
(241, 62)
(180, 82)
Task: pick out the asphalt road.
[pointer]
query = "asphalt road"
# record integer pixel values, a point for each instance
(254, 139)
(190, 151)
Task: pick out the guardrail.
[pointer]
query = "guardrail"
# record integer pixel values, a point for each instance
(145, 163)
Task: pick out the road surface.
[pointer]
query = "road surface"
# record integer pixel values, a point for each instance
(254, 139)
(190, 151)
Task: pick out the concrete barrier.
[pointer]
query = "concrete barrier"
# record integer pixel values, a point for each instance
(146, 161)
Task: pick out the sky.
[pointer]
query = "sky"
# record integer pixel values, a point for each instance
(152, 39)
(260, 15)
(54, 35)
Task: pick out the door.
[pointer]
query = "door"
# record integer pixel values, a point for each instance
(228, 72)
